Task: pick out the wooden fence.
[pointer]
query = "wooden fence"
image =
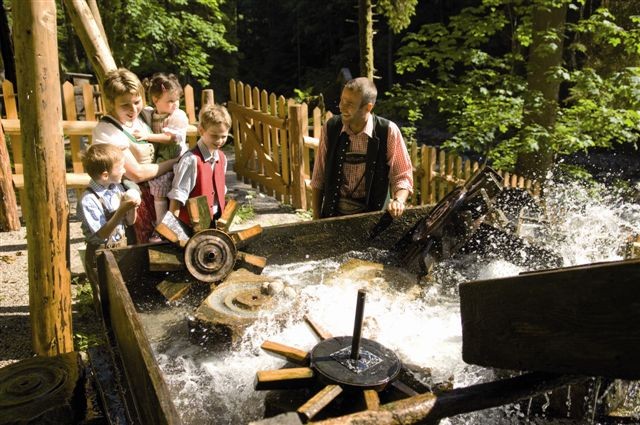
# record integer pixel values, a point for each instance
(275, 141)
(82, 108)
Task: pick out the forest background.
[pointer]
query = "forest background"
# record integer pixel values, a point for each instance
(519, 83)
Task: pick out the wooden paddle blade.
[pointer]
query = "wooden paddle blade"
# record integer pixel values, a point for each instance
(292, 354)
(172, 229)
(198, 209)
(404, 388)
(253, 263)
(296, 377)
(241, 237)
(224, 222)
(165, 258)
(173, 291)
(371, 399)
(317, 329)
(319, 401)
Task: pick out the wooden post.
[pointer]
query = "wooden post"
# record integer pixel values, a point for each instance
(297, 129)
(9, 219)
(89, 33)
(207, 97)
(46, 209)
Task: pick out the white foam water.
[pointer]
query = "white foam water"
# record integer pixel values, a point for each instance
(423, 328)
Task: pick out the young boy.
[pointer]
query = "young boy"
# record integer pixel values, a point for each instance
(201, 171)
(105, 206)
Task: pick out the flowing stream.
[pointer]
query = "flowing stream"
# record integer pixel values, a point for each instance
(421, 324)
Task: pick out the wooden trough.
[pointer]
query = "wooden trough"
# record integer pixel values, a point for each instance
(126, 281)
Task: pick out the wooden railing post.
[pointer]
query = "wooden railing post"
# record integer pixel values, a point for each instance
(9, 220)
(298, 128)
(46, 209)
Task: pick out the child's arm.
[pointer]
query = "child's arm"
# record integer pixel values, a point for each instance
(163, 138)
(176, 128)
(143, 172)
(184, 180)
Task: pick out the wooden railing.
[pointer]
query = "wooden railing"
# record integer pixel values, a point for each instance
(87, 98)
(275, 141)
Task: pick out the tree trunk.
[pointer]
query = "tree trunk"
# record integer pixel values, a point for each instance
(365, 30)
(9, 220)
(92, 40)
(544, 57)
(46, 209)
(6, 46)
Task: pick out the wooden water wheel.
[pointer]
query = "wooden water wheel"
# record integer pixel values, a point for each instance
(210, 251)
(345, 363)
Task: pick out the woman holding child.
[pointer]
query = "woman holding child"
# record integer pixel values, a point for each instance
(123, 127)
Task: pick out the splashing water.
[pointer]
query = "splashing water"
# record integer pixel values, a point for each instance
(421, 325)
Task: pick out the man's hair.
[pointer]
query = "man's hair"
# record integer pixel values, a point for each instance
(101, 157)
(119, 82)
(212, 114)
(365, 87)
(161, 83)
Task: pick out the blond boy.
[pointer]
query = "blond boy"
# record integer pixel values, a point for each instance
(201, 171)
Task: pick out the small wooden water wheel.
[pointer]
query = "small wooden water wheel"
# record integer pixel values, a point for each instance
(209, 253)
(345, 363)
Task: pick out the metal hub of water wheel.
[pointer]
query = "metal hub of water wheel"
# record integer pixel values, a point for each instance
(210, 255)
(374, 368)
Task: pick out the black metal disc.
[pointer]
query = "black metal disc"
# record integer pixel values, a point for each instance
(376, 367)
(210, 255)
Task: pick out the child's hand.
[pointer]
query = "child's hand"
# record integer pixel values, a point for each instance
(172, 135)
(130, 199)
(140, 135)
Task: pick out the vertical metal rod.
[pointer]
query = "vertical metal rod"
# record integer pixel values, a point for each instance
(357, 325)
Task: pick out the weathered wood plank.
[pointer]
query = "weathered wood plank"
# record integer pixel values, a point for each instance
(283, 378)
(152, 398)
(581, 320)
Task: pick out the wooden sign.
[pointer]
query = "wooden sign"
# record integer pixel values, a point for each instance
(199, 213)
(579, 320)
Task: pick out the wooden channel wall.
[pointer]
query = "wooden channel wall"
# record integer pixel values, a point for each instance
(275, 140)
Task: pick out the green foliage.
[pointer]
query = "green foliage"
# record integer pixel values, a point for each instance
(397, 12)
(472, 72)
(169, 35)
(86, 324)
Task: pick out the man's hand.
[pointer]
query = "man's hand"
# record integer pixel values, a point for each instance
(395, 208)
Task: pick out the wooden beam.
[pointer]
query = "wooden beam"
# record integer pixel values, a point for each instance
(429, 408)
(88, 31)
(45, 207)
(580, 320)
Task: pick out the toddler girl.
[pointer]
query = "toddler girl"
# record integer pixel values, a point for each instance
(169, 125)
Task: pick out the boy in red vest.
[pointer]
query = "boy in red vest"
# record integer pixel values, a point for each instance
(201, 170)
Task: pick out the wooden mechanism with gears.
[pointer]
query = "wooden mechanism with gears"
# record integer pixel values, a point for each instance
(349, 364)
(208, 253)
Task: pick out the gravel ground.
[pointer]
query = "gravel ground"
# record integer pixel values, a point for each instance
(15, 329)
